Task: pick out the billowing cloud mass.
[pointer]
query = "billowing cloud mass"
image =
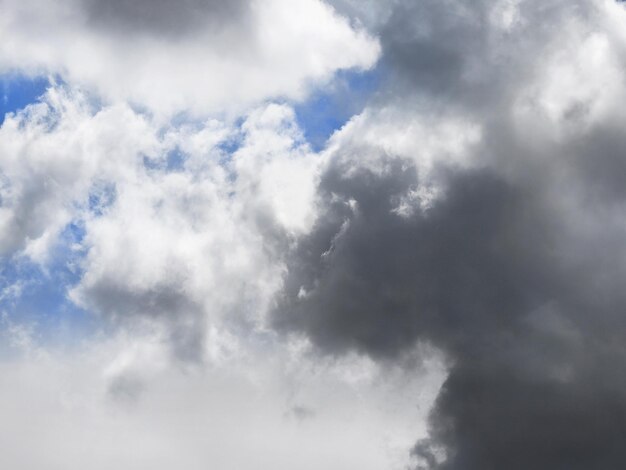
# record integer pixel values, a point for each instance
(504, 248)
(439, 287)
(192, 56)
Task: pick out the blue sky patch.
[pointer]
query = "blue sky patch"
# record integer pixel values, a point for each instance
(18, 91)
(330, 107)
(37, 296)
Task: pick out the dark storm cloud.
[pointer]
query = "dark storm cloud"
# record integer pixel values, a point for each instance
(484, 275)
(515, 273)
(164, 17)
(492, 418)
(372, 279)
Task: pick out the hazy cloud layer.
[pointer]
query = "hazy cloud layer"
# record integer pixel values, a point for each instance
(119, 403)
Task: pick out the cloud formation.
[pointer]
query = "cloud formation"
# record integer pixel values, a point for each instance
(117, 402)
(464, 231)
(193, 57)
(173, 228)
(504, 251)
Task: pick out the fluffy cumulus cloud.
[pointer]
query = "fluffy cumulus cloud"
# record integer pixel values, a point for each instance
(189, 56)
(436, 287)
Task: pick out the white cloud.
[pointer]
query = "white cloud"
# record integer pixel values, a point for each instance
(424, 138)
(184, 243)
(280, 49)
(51, 152)
(577, 87)
(115, 404)
(189, 246)
(277, 168)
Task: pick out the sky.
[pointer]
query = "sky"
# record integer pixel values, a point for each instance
(312, 234)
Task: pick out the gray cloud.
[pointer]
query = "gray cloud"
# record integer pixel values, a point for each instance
(514, 272)
(486, 275)
(167, 302)
(378, 281)
(164, 17)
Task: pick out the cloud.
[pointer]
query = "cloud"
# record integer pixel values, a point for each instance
(498, 244)
(192, 247)
(192, 57)
(116, 402)
(483, 274)
(373, 279)
(162, 17)
(470, 217)
(177, 227)
(53, 151)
